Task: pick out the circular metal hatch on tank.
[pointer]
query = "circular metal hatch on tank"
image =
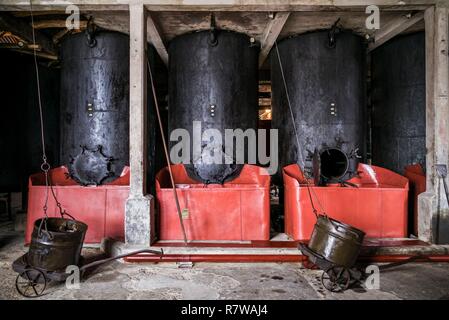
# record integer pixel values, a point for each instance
(327, 94)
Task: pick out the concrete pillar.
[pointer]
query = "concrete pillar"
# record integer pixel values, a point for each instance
(433, 202)
(139, 210)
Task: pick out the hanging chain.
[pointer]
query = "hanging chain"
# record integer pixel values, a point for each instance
(45, 166)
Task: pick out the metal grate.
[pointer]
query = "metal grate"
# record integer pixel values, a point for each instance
(9, 40)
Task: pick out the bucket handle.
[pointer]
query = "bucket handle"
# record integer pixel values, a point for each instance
(40, 230)
(337, 227)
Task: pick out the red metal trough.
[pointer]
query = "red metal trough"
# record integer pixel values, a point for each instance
(237, 210)
(378, 205)
(102, 208)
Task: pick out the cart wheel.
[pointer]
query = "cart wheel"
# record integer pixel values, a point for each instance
(31, 283)
(336, 279)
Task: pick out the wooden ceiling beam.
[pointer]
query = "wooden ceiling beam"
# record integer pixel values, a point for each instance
(220, 5)
(45, 24)
(270, 34)
(393, 28)
(154, 36)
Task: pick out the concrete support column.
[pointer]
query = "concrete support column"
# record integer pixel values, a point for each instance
(139, 210)
(433, 203)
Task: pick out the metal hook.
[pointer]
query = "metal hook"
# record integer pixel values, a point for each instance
(332, 34)
(213, 40)
(90, 33)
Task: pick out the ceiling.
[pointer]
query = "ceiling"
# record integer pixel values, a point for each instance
(174, 23)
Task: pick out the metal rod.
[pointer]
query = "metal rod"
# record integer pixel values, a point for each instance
(167, 157)
(98, 262)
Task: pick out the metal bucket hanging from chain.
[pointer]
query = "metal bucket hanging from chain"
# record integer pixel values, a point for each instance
(337, 242)
(56, 243)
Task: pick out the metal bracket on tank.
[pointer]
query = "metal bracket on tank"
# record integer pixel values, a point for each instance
(90, 33)
(332, 35)
(213, 40)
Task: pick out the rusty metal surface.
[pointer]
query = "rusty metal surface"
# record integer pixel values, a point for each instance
(327, 94)
(215, 84)
(336, 242)
(56, 243)
(95, 107)
(399, 103)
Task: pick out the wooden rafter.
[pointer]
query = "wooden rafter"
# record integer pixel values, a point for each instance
(271, 33)
(155, 38)
(219, 5)
(45, 24)
(393, 28)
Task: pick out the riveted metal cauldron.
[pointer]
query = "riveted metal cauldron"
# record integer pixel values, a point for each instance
(336, 242)
(56, 243)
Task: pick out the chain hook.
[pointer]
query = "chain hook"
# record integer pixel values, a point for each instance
(213, 40)
(90, 33)
(332, 35)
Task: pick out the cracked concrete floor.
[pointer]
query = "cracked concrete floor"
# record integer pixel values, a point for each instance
(118, 280)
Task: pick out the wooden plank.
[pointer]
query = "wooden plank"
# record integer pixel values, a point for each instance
(44, 24)
(219, 5)
(22, 14)
(23, 30)
(58, 36)
(394, 28)
(154, 36)
(271, 33)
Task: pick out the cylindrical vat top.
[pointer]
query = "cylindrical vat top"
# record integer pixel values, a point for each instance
(326, 88)
(399, 103)
(216, 85)
(95, 107)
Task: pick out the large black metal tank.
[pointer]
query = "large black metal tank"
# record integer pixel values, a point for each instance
(215, 83)
(95, 107)
(327, 93)
(399, 103)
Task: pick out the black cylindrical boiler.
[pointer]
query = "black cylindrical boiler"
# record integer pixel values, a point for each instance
(213, 79)
(325, 84)
(95, 106)
(399, 103)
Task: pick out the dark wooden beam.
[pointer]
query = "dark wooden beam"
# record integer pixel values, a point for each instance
(154, 36)
(271, 33)
(393, 28)
(45, 24)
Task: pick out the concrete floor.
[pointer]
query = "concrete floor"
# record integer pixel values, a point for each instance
(118, 280)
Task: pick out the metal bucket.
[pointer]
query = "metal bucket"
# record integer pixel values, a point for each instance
(336, 242)
(56, 245)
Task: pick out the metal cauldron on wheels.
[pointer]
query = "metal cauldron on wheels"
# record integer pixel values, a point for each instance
(334, 247)
(336, 241)
(56, 243)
